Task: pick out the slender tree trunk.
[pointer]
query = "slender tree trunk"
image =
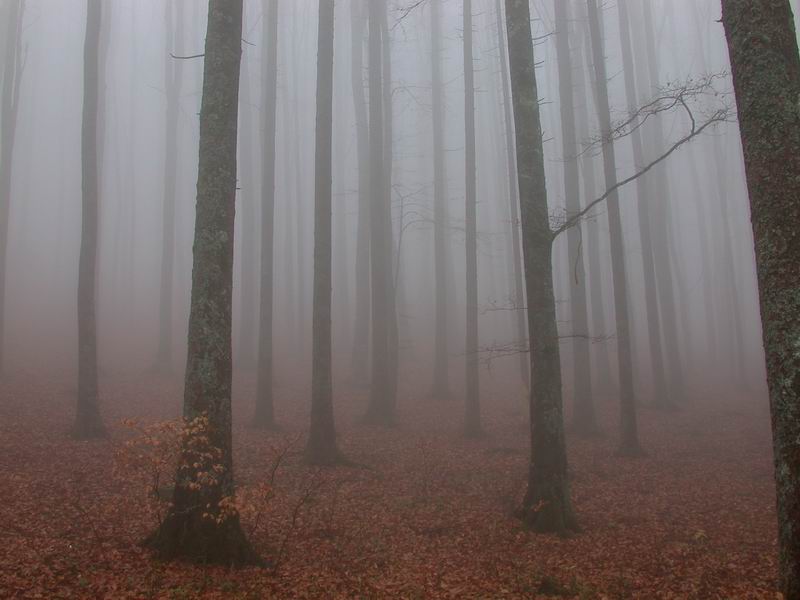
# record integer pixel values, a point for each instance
(603, 381)
(198, 526)
(173, 74)
(321, 447)
(88, 423)
(12, 80)
(472, 417)
(629, 442)
(360, 363)
(547, 505)
(766, 77)
(264, 412)
(661, 246)
(381, 398)
(248, 198)
(511, 168)
(441, 385)
(583, 419)
(661, 398)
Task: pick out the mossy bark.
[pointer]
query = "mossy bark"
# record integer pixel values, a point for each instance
(546, 505)
(196, 527)
(766, 76)
(88, 423)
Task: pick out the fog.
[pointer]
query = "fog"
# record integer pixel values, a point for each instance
(45, 210)
(700, 265)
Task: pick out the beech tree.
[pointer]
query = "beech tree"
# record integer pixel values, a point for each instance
(201, 524)
(88, 423)
(322, 447)
(264, 413)
(766, 78)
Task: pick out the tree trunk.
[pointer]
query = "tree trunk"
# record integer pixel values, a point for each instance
(173, 75)
(264, 412)
(629, 442)
(360, 364)
(472, 417)
(547, 505)
(511, 169)
(198, 525)
(321, 447)
(766, 77)
(441, 385)
(12, 80)
(661, 398)
(584, 420)
(381, 397)
(87, 418)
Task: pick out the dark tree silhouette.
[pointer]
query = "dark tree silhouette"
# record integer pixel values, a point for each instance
(766, 77)
(88, 423)
(321, 447)
(200, 524)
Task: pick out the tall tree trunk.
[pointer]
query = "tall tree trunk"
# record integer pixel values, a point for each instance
(661, 245)
(472, 418)
(87, 417)
(547, 505)
(629, 442)
(360, 363)
(511, 169)
(248, 199)
(12, 80)
(583, 418)
(264, 412)
(321, 447)
(381, 397)
(198, 525)
(603, 380)
(766, 77)
(441, 385)
(661, 398)
(173, 74)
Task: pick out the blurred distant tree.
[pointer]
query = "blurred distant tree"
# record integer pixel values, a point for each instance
(88, 423)
(321, 448)
(472, 420)
(264, 413)
(766, 76)
(629, 442)
(202, 523)
(13, 66)
(173, 79)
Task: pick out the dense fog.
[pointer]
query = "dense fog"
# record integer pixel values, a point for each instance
(710, 245)
(474, 256)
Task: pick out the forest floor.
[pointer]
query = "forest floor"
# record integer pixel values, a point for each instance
(424, 513)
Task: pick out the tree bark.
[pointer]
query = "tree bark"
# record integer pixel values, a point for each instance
(766, 77)
(264, 412)
(547, 505)
(321, 448)
(197, 526)
(88, 423)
